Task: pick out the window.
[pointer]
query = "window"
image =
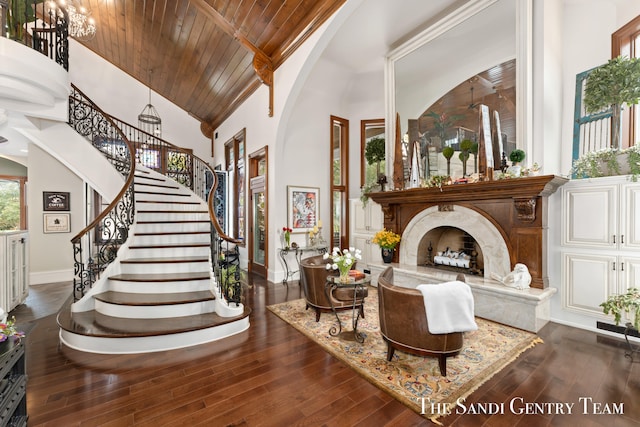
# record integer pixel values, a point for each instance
(339, 182)
(234, 150)
(13, 209)
(626, 42)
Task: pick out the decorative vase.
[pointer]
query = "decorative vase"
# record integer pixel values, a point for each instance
(387, 255)
(344, 274)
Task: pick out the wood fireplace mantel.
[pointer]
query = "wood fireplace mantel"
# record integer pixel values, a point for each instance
(517, 208)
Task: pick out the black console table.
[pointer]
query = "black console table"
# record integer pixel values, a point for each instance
(13, 384)
(288, 272)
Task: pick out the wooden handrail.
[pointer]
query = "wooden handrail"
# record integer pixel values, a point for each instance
(212, 216)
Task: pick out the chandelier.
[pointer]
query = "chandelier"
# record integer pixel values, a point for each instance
(81, 25)
(149, 120)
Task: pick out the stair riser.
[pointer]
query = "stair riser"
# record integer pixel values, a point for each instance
(178, 207)
(172, 197)
(152, 343)
(175, 217)
(169, 252)
(173, 227)
(171, 239)
(160, 287)
(164, 268)
(155, 312)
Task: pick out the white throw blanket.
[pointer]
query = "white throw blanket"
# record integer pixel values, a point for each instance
(449, 307)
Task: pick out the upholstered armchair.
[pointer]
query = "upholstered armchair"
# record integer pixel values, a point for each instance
(313, 278)
(403, 323)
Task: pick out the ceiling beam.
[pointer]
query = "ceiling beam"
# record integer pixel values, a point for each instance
(262, 63)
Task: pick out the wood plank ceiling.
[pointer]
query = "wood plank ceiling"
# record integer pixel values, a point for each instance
(206, 56)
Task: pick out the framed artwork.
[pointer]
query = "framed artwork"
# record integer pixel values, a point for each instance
(302, 208)
(55, 201)
(57, 223)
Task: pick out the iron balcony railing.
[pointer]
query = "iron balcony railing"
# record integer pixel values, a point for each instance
(41, 25)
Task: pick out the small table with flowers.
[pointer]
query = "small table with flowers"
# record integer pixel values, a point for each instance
(351, 291)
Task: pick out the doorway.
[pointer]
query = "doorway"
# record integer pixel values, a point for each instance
(259, 231)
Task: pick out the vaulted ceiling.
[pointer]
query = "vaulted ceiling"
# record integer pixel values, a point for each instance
(206, 56)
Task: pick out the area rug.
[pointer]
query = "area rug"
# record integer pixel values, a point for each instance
(414, 381)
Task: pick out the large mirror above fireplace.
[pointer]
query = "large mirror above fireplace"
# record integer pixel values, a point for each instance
(476, 54)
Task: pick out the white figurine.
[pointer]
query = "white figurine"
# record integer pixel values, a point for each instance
(519, 278)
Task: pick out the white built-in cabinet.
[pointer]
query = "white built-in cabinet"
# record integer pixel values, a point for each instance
(14, 259)
(365, 222)
(600, 241)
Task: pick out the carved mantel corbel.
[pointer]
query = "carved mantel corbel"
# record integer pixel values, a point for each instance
(525, 208)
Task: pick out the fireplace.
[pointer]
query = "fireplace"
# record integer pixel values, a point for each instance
(451, 248)
(446, 228)
(507, 219)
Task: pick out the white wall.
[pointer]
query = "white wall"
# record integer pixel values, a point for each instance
(120, 95)
(51, 255)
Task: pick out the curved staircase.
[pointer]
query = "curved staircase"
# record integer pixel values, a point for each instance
(160, 292)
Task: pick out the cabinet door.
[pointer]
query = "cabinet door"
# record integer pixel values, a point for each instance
(629, 273)
(17, 285)
(360, 217)
(589, 280)
(4, 273)
(362, 243)
(590, 216)
(629, 213)
(376, 219)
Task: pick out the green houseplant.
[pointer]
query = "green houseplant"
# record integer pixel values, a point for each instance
(374, 152)
(628, 302)
(447, 152)
(608, 162)
(613, 85)
(465, 149)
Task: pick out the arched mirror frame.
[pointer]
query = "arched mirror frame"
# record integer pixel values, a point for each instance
(524, 69)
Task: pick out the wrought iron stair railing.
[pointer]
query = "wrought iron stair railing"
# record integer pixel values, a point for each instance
(96, 246)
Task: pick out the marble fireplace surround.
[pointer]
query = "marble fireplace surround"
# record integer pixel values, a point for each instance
(508, 220)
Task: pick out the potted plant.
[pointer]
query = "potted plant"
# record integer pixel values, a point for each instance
(608, 162)
(374, 153)
(387, 240)
(447, 152)
(629, 302)
(516, 156)
(343, 261)
(465, 146)
(613, 85)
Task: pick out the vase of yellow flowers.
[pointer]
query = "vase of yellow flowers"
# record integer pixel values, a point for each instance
(387, 240)
(343, 261)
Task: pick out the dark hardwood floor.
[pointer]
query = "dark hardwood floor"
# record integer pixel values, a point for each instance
(272, 375)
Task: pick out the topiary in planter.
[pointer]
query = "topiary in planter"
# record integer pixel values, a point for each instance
(447, 152)
(614, 84)
(516, 156)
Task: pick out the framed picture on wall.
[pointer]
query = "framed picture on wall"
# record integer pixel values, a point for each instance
(57, 223)
(55, 201)
(302, 208)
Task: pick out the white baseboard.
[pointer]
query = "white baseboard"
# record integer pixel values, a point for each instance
(55, 276)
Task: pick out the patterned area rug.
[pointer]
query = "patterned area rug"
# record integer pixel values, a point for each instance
(415, 381)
